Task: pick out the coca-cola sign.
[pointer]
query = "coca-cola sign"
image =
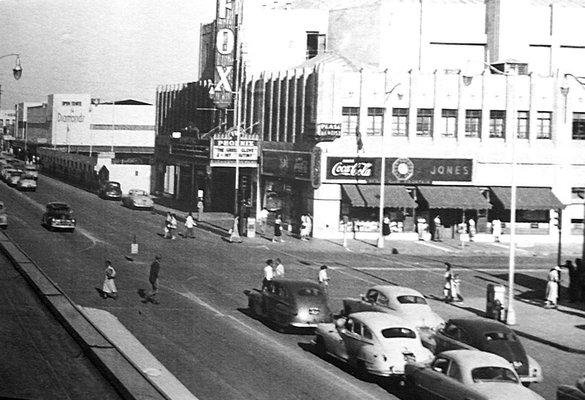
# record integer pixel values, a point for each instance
(353, 168)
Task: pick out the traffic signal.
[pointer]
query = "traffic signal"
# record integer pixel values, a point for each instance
(556, 219)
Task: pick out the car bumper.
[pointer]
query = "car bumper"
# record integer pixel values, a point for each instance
(62, 225)
(142, 205)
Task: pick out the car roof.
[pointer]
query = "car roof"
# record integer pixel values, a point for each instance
(56, 204)
(378, 321)
(470, 359)
(479, 326)
(296, 284)
(394, 291)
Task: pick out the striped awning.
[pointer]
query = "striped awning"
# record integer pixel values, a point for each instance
(369, 196)
(527, 198)
(456, 197)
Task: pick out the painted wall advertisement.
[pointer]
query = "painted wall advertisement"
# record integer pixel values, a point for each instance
(400, 170)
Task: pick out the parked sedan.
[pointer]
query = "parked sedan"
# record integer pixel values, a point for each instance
(290, 303)
(138, 198)
(58, 216)
(467, 375)
(3, 216)
(577, 392)
(490, 336)
(372, 342)
(13, 177)
(27, 182)
(407, 303)
(110, 190)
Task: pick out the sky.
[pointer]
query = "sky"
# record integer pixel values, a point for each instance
(111, 49)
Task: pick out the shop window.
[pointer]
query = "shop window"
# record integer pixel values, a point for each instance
(578, 193)
(449, 123)
(375, 121)
(472, 123)
(349, 120)
(76, 103)
(523, 125)
(399, 121)
(497, 123)
(578, 126)
(424, 122)
(544, 125)
(65, 103)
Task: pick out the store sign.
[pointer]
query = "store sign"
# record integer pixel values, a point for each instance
(225, 150)
(407, 170)
(287, 164)
(189, 147)
(225, 46)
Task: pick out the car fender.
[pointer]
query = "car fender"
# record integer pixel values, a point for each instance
(534, 371)
(333, 340)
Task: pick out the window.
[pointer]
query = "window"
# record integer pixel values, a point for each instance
(349, 122)
(76, 103)
(543, 124)
(448, 123)
(399, 121)
(357, 327)
(493, 374)
(375, 121)
(578, 126)
(523, 125)
(411, 299)
(372, 295)
(455, 371)
(577, 193)
(497, 124)
(66, 103)
(315, 44)
(390, 333)
(367, 333)
(424, 122)
(382, 300)
(441, 365)
(472, 123)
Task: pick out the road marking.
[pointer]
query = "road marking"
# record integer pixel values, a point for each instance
(435, 246)
(440, 269)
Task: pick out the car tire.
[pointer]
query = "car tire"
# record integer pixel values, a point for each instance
(252, 307)
(526, 384)
(320, 347)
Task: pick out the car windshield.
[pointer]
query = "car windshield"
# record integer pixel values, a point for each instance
(27, 176)
(504, 336)
(138, 192)
(411, 299)
(390, 333)
(112, 185)
(493, 374)
(310, 291)
(31, 167)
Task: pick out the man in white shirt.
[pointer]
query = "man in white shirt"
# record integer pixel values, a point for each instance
(323, 278)
(189, 224)
(279, 270)
(268, 274)
(262, 220)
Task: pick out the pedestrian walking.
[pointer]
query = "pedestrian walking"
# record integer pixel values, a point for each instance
(234, 235)
(167, 229)
(304, 225)
(200, 209)
(109, 287)
(263, 220)
(421, 227)
(189, 226)
(268, 274)
(573, 281)
(437, 229)
(153, 279)
(386, 226)
(496, 230)
(552, 288)
(323, 278)
(448, 283)
(279, 269)
(277, 229)
(173, 226)
(472, 230)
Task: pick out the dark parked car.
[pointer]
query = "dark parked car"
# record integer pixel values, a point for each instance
(110, 190)
(290, 303)
(577, 392)
(58, 216)
(490, 336)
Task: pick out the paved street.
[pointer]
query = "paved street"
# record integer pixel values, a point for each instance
(201, 330)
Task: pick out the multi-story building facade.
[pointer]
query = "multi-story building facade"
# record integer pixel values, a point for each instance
(7, 120)
(450, 97)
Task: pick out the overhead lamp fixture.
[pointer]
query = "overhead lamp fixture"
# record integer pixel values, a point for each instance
(17, 70)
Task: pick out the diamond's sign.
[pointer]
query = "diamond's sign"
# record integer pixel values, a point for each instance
(225, 45)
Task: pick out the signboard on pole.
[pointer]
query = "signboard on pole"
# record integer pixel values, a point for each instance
(224, 150)
(225, 46)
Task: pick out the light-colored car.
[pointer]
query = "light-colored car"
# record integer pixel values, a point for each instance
(32, 170)
(138, 198)
(14, 177)
(407, 303)
(372, 342)
(3, 216)
(7, 172)
(474, 333)
(467, 375)
(27, 182)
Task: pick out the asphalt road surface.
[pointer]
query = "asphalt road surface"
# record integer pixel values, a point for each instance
(201, 330)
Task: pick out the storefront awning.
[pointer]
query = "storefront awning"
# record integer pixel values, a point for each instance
(527, 198)
(457, 197)
(369, 196)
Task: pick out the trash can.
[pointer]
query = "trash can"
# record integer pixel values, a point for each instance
(495, 301)
(251, 228)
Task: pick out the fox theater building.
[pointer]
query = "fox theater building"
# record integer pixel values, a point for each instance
(343, 130)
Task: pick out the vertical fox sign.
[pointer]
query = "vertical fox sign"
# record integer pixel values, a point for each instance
(225, 46)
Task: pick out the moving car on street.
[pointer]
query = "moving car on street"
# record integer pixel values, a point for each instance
(27, 182)
(110, 190)
(467, 375)
(404, 302)
(290, 303)
(58, 216)
(138, 198)
(568, 392)
(492, 336)
(32, 170)
(3, 216)
(372, 343)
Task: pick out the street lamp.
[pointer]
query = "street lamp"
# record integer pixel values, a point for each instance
(511, 312)
(17, 69)
(387, 94)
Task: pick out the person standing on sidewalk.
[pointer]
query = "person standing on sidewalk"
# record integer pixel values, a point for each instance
(153, 279)
(167, 230)
(437, 229)
(279, 269)
(448, 283)
(277, 229)
(189, 225)
(268, 274)
(263, 220)
(109, 287)
(496, 230)
(173, 226)
(552, 288)
(200, 209)
(323, 278)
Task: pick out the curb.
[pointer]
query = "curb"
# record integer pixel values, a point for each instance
(549, 343)
(128, 380)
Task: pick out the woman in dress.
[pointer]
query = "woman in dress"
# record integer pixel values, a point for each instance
(277, 229)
